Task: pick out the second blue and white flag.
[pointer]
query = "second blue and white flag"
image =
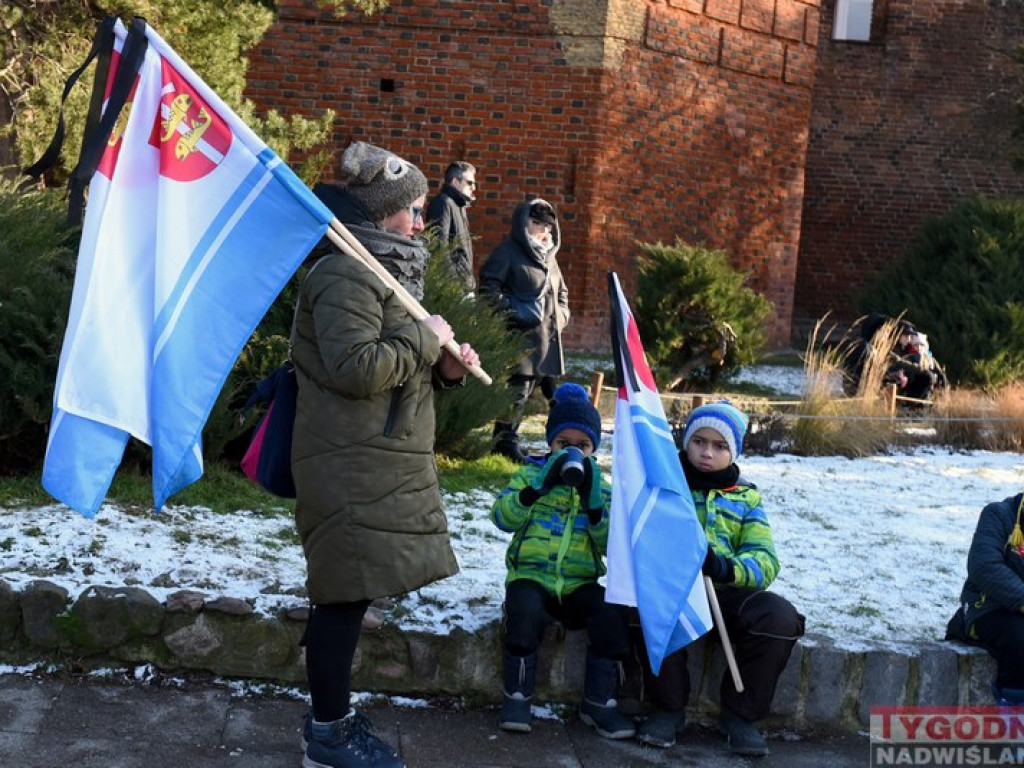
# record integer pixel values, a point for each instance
(656, 545)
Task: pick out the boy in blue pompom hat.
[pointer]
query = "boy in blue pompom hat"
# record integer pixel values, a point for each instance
(556, 508)
(742, 563)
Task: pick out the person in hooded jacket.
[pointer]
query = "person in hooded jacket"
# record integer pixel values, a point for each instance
(991, 612)
(368, 507)
(521, 276)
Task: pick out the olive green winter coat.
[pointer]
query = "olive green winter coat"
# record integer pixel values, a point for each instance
(369, 507)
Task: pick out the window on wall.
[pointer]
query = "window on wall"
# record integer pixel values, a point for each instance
(853, 20)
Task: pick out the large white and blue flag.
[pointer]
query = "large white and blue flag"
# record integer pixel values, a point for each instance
(192, 228)
(656, 545)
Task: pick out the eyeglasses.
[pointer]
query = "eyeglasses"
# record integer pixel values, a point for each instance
(470, 182)
(416, 211)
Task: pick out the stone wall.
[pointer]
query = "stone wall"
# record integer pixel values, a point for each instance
(902, 128)
(823, 687)
(640, 120)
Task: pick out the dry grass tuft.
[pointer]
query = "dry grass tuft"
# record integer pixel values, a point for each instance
(872, 379)
(1008, 431)
(869, 430)
(958, 417)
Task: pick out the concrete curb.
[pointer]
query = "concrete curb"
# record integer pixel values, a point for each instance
(825, 687)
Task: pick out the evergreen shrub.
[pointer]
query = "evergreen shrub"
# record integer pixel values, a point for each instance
(962, 283)
(37, 264)
(698, 319)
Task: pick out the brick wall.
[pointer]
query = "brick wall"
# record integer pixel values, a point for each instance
(638, 120)
(902, 128)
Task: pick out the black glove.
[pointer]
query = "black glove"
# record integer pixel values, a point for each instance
(549, 477)
(718, 567)
(590, 491)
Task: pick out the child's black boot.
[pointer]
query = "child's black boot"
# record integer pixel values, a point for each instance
(742, 734)
(599, 708)
(520, 681)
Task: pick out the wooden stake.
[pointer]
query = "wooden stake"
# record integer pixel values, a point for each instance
(890, 398)
(730, 657)
(596, 382)
(348, 244)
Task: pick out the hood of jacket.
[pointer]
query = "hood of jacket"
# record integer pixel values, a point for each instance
(520, 217)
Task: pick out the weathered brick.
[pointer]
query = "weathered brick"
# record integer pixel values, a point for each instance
(799, 66)
(752, 53)
(898, 135)
(758, 15)
(690, 37)
(723, 10)
(575, 100)
(693, 6)
(789, 19)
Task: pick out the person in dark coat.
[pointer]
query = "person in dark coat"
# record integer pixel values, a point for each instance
(521, 276)
(447, 215)
(913, 364)
(909, 364)
(368, 507)
(991, 612)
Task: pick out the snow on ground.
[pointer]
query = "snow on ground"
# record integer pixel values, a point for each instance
(786, 380)
(873, 550)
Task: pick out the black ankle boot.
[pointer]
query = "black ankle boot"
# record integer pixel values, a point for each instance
(506, 442)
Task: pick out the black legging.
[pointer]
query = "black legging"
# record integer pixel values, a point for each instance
(331, 637)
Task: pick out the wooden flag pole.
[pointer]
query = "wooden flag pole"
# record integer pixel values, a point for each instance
(348, 244)
(730, 657)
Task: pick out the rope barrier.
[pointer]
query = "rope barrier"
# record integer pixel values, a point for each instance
(701, 398)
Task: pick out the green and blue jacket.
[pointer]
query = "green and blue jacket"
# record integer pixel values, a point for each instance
(737, 528)
(553, 542)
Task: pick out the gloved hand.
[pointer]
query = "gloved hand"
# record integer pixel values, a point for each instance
(718, 567)
(549, 477)
(590, 491)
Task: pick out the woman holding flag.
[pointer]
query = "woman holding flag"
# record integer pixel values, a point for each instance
(368, 505)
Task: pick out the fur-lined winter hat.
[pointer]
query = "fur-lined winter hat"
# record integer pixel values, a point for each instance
(380, 180)
(573, 410)
(723, 417)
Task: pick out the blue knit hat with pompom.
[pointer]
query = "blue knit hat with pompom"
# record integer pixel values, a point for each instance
(573, 410)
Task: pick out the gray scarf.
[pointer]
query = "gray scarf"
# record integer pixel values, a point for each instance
(404, 258)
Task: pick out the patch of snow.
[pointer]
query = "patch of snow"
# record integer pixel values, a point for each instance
(873, 550)
(785, 380)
